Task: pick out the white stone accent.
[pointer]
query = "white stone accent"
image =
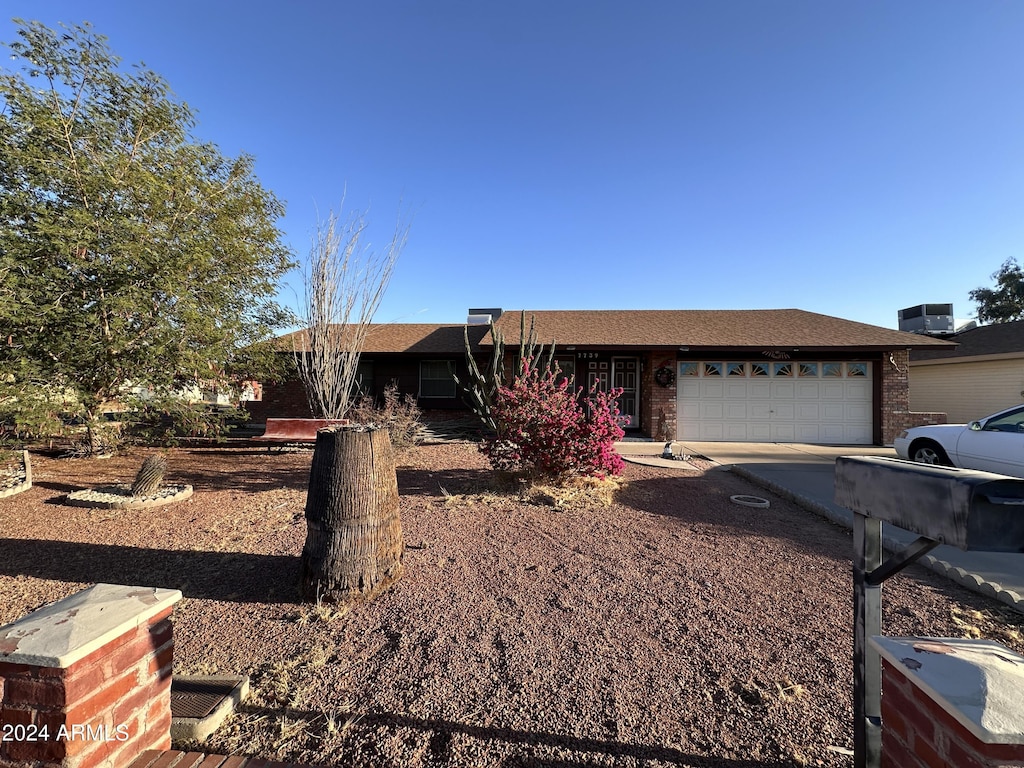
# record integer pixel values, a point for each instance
(978, 682)
(59, 634)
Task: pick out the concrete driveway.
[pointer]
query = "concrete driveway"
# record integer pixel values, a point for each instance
(806, 474)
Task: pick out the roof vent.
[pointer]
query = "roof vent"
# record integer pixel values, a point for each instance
(483, 316)
(928, 319)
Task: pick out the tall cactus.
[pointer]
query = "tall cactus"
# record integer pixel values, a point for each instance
(150, 476)
(481, 386)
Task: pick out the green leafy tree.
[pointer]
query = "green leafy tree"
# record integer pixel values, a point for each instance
(1005, 302)
(130, 252)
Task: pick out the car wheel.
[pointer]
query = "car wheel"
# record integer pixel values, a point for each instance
(928, 452)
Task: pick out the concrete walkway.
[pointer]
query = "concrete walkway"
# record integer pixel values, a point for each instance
(805, 474)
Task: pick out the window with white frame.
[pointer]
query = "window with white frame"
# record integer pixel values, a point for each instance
(437, 378)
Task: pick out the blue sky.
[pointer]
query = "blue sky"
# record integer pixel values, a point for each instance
(849, 158)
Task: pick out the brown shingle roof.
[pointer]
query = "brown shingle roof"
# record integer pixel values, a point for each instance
(412, 338)
(695, 328)
(995, 339)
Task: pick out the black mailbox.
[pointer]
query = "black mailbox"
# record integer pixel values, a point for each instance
(964, 508)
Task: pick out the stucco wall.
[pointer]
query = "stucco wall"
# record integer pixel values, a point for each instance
(966, 391)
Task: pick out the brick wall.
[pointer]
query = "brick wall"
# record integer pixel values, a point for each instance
(658, 403)
(281, 400)
(950, 703)
(110, 701)
(895, 392)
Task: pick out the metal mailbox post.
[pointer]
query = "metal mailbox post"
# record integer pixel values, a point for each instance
(971, 510)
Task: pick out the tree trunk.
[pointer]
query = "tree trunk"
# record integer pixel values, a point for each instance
(353, 544)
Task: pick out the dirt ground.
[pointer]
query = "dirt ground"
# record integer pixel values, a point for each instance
(671, 627)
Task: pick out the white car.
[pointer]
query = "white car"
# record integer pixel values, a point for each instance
(993, 444)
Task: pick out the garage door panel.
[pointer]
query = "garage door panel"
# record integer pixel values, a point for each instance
(737, 431)
(808, 390)
(857, 412)
(820, 402)
(808, 433)
(712, 431)
(689, 389)
(784, 411)
(858, 390)
(857, 435)
(784, 433)
(759, 389)
(736, 390)
(807, 411)
(713, 389)
(736, 410)
(712, 410)
(833, 433)
(689, 429)
(831, 412)
(759, 433)
(783, 390)
(833, 390)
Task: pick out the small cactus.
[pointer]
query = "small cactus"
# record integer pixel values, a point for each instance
(150, 476)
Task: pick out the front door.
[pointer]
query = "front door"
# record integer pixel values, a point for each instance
(625, 376)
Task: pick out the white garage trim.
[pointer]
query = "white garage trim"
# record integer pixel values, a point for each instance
(775, 401)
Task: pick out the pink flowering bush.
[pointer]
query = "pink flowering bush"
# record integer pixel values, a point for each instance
(546, 428)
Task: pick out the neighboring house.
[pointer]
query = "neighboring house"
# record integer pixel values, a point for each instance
(983, 374)
(781, 375)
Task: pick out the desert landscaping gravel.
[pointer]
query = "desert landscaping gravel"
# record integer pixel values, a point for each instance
(670, 627)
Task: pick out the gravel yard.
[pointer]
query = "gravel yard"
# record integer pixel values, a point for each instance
(669, 628)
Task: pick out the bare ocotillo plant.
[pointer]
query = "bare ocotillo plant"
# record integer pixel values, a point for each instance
(344, 283)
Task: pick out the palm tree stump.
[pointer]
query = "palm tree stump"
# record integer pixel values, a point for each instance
(353, 544)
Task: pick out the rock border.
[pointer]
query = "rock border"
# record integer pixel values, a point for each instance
(23, 479)
(120, 497)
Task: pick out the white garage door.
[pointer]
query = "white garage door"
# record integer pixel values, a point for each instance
(775, 401)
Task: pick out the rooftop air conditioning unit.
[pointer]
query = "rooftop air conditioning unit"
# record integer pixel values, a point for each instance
(929, 319)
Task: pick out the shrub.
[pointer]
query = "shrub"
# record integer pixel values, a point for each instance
(397, 413)
(167, 420)
(548, 428)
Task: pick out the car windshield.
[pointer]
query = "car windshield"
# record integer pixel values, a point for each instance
(1007, 422)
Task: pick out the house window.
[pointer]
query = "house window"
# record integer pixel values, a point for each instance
(783, 369)
(437, 378)
(808, 369)
(856, 369)
(687, 369)
(832, 370)
(364, 378)
(566, 368)
(759, 369)
(735, 369)
(712, 369)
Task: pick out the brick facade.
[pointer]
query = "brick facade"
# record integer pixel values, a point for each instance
(658, 417)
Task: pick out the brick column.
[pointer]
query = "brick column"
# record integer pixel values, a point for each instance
(86, 681)
(895, 409)
(950, 702)
(658, 402)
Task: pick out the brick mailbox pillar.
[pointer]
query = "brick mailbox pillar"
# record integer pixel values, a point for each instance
(86, 681)
(950, 702)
